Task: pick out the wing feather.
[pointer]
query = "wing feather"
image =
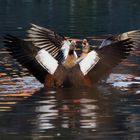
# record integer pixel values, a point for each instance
(31, 52)
(44, 38)
(24, 52)
(112, 51)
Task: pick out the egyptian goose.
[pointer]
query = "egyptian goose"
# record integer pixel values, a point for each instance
(53, 60)
(85, 50)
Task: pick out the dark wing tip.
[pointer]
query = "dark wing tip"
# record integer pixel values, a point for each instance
(23, 52)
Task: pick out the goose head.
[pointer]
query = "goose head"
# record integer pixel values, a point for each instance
(71, 57)
(85, 46)
(72, 48)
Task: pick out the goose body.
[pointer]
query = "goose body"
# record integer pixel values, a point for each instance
(53, 60)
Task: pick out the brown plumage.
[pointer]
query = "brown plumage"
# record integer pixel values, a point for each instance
(52, 58)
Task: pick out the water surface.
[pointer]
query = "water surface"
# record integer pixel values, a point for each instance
(110, 110)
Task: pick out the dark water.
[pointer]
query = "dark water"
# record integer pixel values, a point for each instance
(110, 110)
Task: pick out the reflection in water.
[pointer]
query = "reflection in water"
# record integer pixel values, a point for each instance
(109, 111)
(125, 82)
(68, 111)
(75, 114)
(15, 84)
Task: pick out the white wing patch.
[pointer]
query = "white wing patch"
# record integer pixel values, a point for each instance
(88, 62)
(43, 38)
(65, 48)
(47, 61)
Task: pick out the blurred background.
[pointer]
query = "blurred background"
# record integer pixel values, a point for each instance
(78, 18)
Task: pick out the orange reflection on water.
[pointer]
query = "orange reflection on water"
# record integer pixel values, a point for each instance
(14, 89)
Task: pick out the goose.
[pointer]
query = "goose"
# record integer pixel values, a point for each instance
(53, 60)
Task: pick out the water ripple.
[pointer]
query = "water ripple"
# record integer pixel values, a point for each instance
(124, 81)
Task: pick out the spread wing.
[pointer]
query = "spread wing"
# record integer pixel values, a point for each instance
(40, 53)
(44, 38)
(112, 51)
(24, 52)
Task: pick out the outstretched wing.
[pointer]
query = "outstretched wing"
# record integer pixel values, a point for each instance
(112, 51)
(24, 52)
(40, 53)
(48, 40)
